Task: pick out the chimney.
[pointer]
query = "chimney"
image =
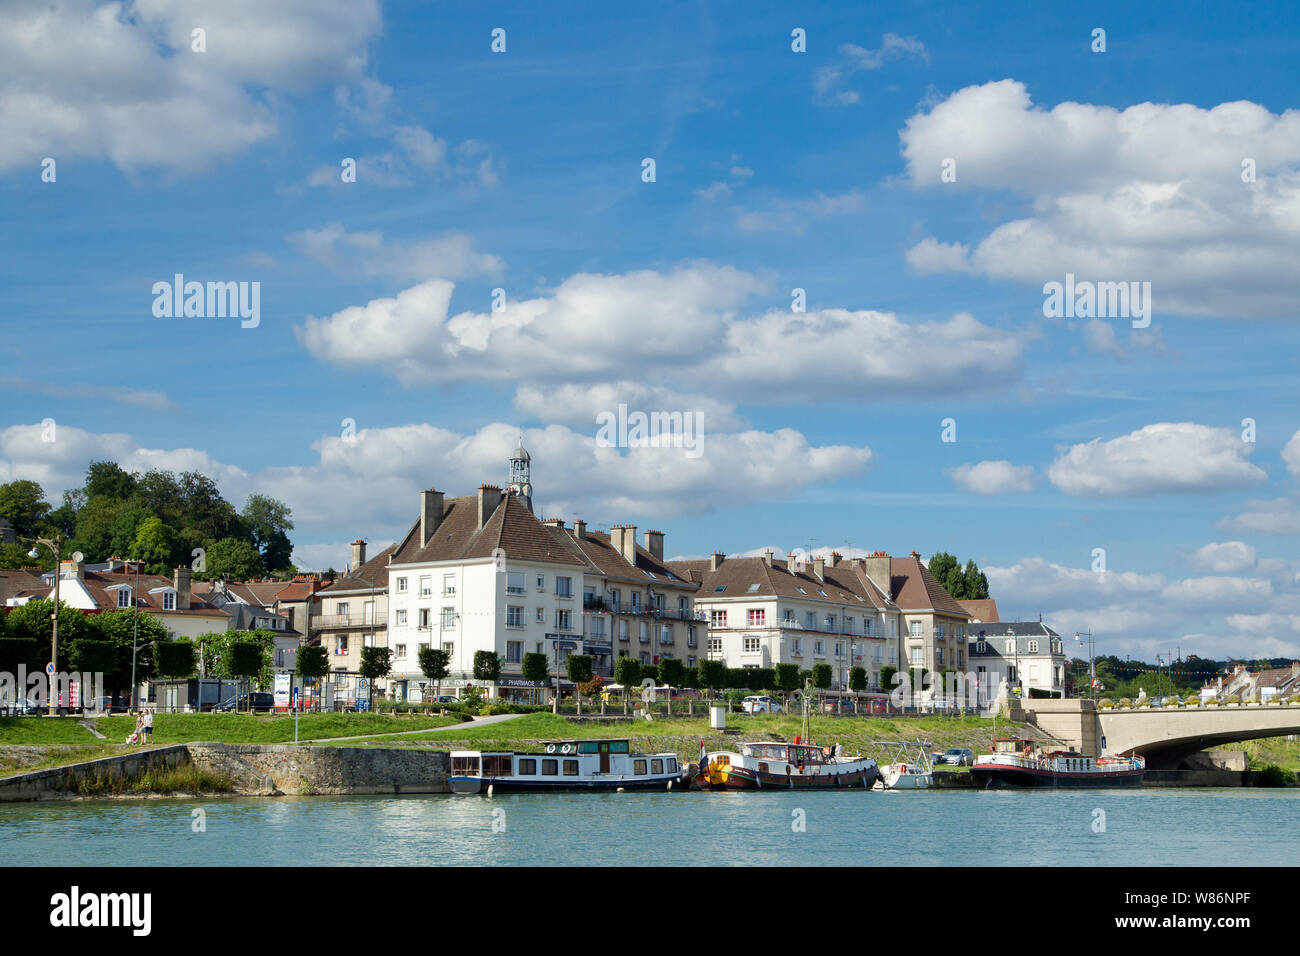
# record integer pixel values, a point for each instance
(181, 580)
(767, 557)
(654, 543)
(430, 514)
(358, 554)
(616, 537)
(557, 523)
(877, 567)
(629, 544)
(71, 569)
(819, 568)
(489, 496)
(836, 558)
(715, 562)
(579, 528)
(1295, 665)
(4, 590)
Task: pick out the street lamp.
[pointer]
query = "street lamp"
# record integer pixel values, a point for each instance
(1092, 670)
(56, 549)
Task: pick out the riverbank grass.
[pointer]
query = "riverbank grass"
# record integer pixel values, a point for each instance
(265, 729)
(160, 780)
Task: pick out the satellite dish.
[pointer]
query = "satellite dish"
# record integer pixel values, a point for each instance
(78, 557)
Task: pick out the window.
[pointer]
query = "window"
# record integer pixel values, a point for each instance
(636, 602)
(169, 600)
(563, 587)
(426, 585)
(399, 618)
(757, 617)
(541, 582)
(638, 767)
(1011, 646)
(719, 589)
(848, 625)
(450, 648)
(691, 639)
(615, 599)
(401, 585)
(866, 627)
(830, 623)
(917, 657)
(717, 618)
(123, 597)
(514, 652)
(796, 647)
(810, 620)
(751, 645)
(753, 589)
(800, 590)
(914, 628)
(622, 630)
(665, 634)
(938, 632)
(789, 616)
(341, 608)
(691, 661)
(448, 617)
(563, 620)
(644, 633)
(528, 766)
(550, 768)
(514, 582)
(401, 650)
(341, 646)
(839, 648)
(424, 618)
(657, 765)
(598, 627)
(819, 648)
(980, 647)
(715, 645)
(541, 615)
(449, 584)
(938, 656)
(1033, 647)
(514, 617)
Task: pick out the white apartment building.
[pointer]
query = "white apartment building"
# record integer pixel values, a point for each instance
(1018, 656)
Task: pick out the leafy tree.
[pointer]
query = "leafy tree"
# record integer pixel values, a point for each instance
(578, 668)
(376, 664)
(120, 627)
(125, 525)
(672, 671)
(92, 656)
(887, 677)
(314, 662)
(64, 517)
(822, 675)
(94, 534)
(233, 560)
(155, 545)
(787, 677)
(713, 674)
(858, 678)
(627, 671)
(25, 652)
(691, 677)
(535, 667)
(174, 659)
(247, 658)
(32, 620)
(269, 521)
(964, 585)
(23, 503)
(434, 663)
(487, 667)
(109, 480)
(209, 512)
(13, 557)
(974, 583)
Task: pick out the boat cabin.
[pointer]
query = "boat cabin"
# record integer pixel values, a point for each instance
(1013, 745)
(798, 754)
(575, 758)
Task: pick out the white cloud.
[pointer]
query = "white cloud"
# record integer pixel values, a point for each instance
(1219, 591)
(713, 192)
(930, 256)
(451, 256)
(680, 325)
(119, 80)
(1150, 193)
(1165, 457)
(416, 154)
(1278, 516)
(794, 216)
(1291, 455)
(994, 477)
(1228, 557)
(580, 404)
(853, 58)
(125, 395)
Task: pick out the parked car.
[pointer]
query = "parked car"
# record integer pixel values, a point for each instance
(446, 699)
(26, 707)
(837, 706)
(958, 757)
(111, 705)
(760, 704)
(258, 701)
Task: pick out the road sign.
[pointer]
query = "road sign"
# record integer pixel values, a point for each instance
(49, 668)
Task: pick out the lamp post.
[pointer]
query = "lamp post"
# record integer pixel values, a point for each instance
(135, 631)
(1092, 670)
(55, 547)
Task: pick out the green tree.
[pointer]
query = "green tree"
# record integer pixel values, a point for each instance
(487, 667)
(887, 677)
(821, 675)
(174, 659)
(155, 545)
(787, 677)
(269, 521)
(713, 674)
(314, 662)
(434, 664)
(858, 679)
(578, 668)
(92, 656)
(376, 664)
(119, 626)
(974, 583)
(247, 659)
(209, 512)
(536, 668)
(25, 652)
(33, 620)
(109, 480)
(125, 525)
(64, 517)
(672, 671)
(13, 557)
(233, 560)
(627, 671)
(23, 503)
(94, 537)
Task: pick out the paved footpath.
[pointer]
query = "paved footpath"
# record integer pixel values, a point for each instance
(467, 725)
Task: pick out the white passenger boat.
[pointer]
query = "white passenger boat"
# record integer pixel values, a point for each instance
(909, 766)
(568, 765)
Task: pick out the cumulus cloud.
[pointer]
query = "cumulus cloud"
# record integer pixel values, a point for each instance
(119, 81)
(451, 256)
(1153, 192)
(580, 404)
(994, 477)
(1227, 557)
(1291, 455)
(1279, 516)
(682, 324)
(1165, 457)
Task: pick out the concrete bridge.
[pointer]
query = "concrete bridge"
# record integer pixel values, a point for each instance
(1165, 736)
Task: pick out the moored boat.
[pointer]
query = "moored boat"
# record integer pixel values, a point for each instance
(570, 765)
(1018, 762)
(778, 765)
(909, 767)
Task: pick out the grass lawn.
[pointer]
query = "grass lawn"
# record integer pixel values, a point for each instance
(683, 734)
(263, 729)
(44, 731)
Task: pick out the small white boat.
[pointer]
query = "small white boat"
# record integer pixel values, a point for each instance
(909, 767)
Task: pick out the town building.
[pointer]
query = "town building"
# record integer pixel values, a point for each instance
(350, 613)
(1018, 657)
(934, 624)
(1271, 683)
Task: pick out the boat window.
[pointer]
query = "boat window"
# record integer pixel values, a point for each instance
(672, 764)
(570, 768)
(464, 766)
(656, 766)
(497, 766)
(589, 747)
(638, 767)
(618, 746)
(550, 767)
(528, 766)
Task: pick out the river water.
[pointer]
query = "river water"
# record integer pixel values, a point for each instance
(1151, 827)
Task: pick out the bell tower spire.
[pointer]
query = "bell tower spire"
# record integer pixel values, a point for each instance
(520, 483)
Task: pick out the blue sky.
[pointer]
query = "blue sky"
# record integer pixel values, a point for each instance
(775, 170)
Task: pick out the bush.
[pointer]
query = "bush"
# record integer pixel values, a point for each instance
(1192, 700)
(1271, 775)
(1105, 704)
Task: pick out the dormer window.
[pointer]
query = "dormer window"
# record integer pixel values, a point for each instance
(123, 597)
(169, 600)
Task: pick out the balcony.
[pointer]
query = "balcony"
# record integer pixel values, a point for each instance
(327, 622)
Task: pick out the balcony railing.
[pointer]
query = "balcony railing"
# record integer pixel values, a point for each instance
(327, 621)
